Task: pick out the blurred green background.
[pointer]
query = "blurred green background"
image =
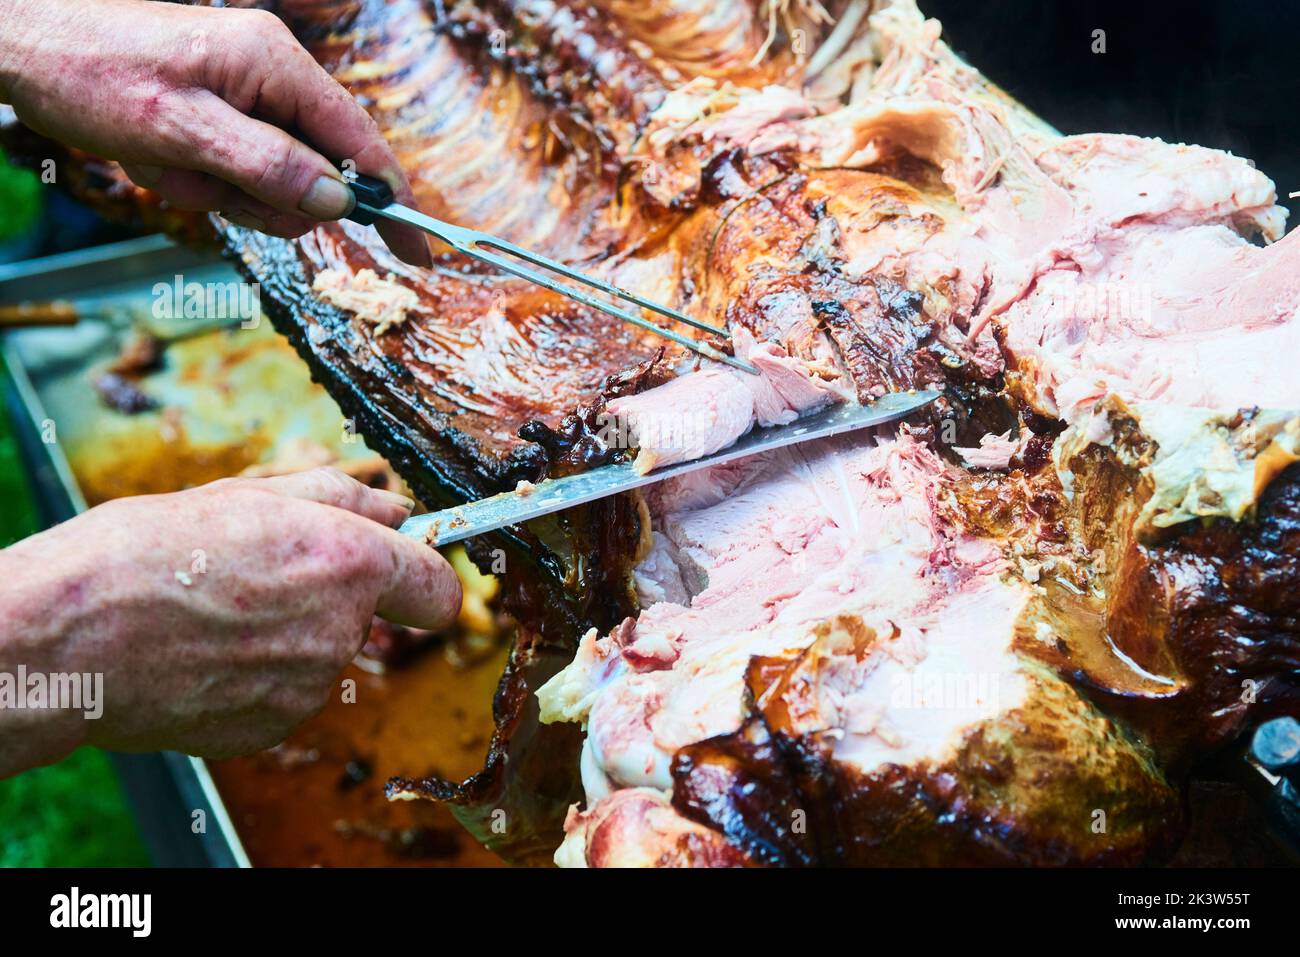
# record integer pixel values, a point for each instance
(71, 814)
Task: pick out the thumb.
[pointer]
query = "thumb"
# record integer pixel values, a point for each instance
(422, 590)
(265, 162)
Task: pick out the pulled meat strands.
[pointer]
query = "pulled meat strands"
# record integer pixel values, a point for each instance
(993, 452)
(384, 303)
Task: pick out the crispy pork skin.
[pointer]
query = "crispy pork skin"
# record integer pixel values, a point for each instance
(1006, 631)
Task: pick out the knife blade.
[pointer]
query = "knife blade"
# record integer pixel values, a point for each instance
(514, 508)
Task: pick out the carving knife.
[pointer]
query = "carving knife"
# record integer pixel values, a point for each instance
(514, 508)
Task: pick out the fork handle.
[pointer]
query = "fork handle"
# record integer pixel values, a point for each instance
(371, 193)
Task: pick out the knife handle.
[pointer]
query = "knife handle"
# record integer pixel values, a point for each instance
(371, 193)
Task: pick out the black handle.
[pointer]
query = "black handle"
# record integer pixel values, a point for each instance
(369, 191)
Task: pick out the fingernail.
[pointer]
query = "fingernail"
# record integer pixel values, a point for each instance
(146, 175)
(396, 498)
(328, 198)
(247, 220)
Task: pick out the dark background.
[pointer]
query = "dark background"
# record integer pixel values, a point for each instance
(1215, 73)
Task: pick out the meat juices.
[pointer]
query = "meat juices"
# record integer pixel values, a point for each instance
(1001, 633)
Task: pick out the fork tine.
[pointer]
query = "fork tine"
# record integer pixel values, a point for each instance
(492, 242)
(523, 272)
(468, 241)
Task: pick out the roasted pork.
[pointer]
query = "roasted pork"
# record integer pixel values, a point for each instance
(1004, 632)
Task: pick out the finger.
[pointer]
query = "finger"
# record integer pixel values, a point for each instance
(186, 189)
(263, 161)
(249, 213)
(281, 83)
(423, 590)
(289, 178)
(329, 486)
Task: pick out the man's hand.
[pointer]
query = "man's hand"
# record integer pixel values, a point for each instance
(219, 617)
(195, 103)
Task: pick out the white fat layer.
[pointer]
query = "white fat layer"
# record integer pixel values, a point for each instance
(905, 712)
(569, 695)
(1206, 464)
(572, 852)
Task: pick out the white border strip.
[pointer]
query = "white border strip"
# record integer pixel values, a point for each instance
(213, 797)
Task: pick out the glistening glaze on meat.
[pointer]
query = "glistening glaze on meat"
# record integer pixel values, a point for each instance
(874, 217)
